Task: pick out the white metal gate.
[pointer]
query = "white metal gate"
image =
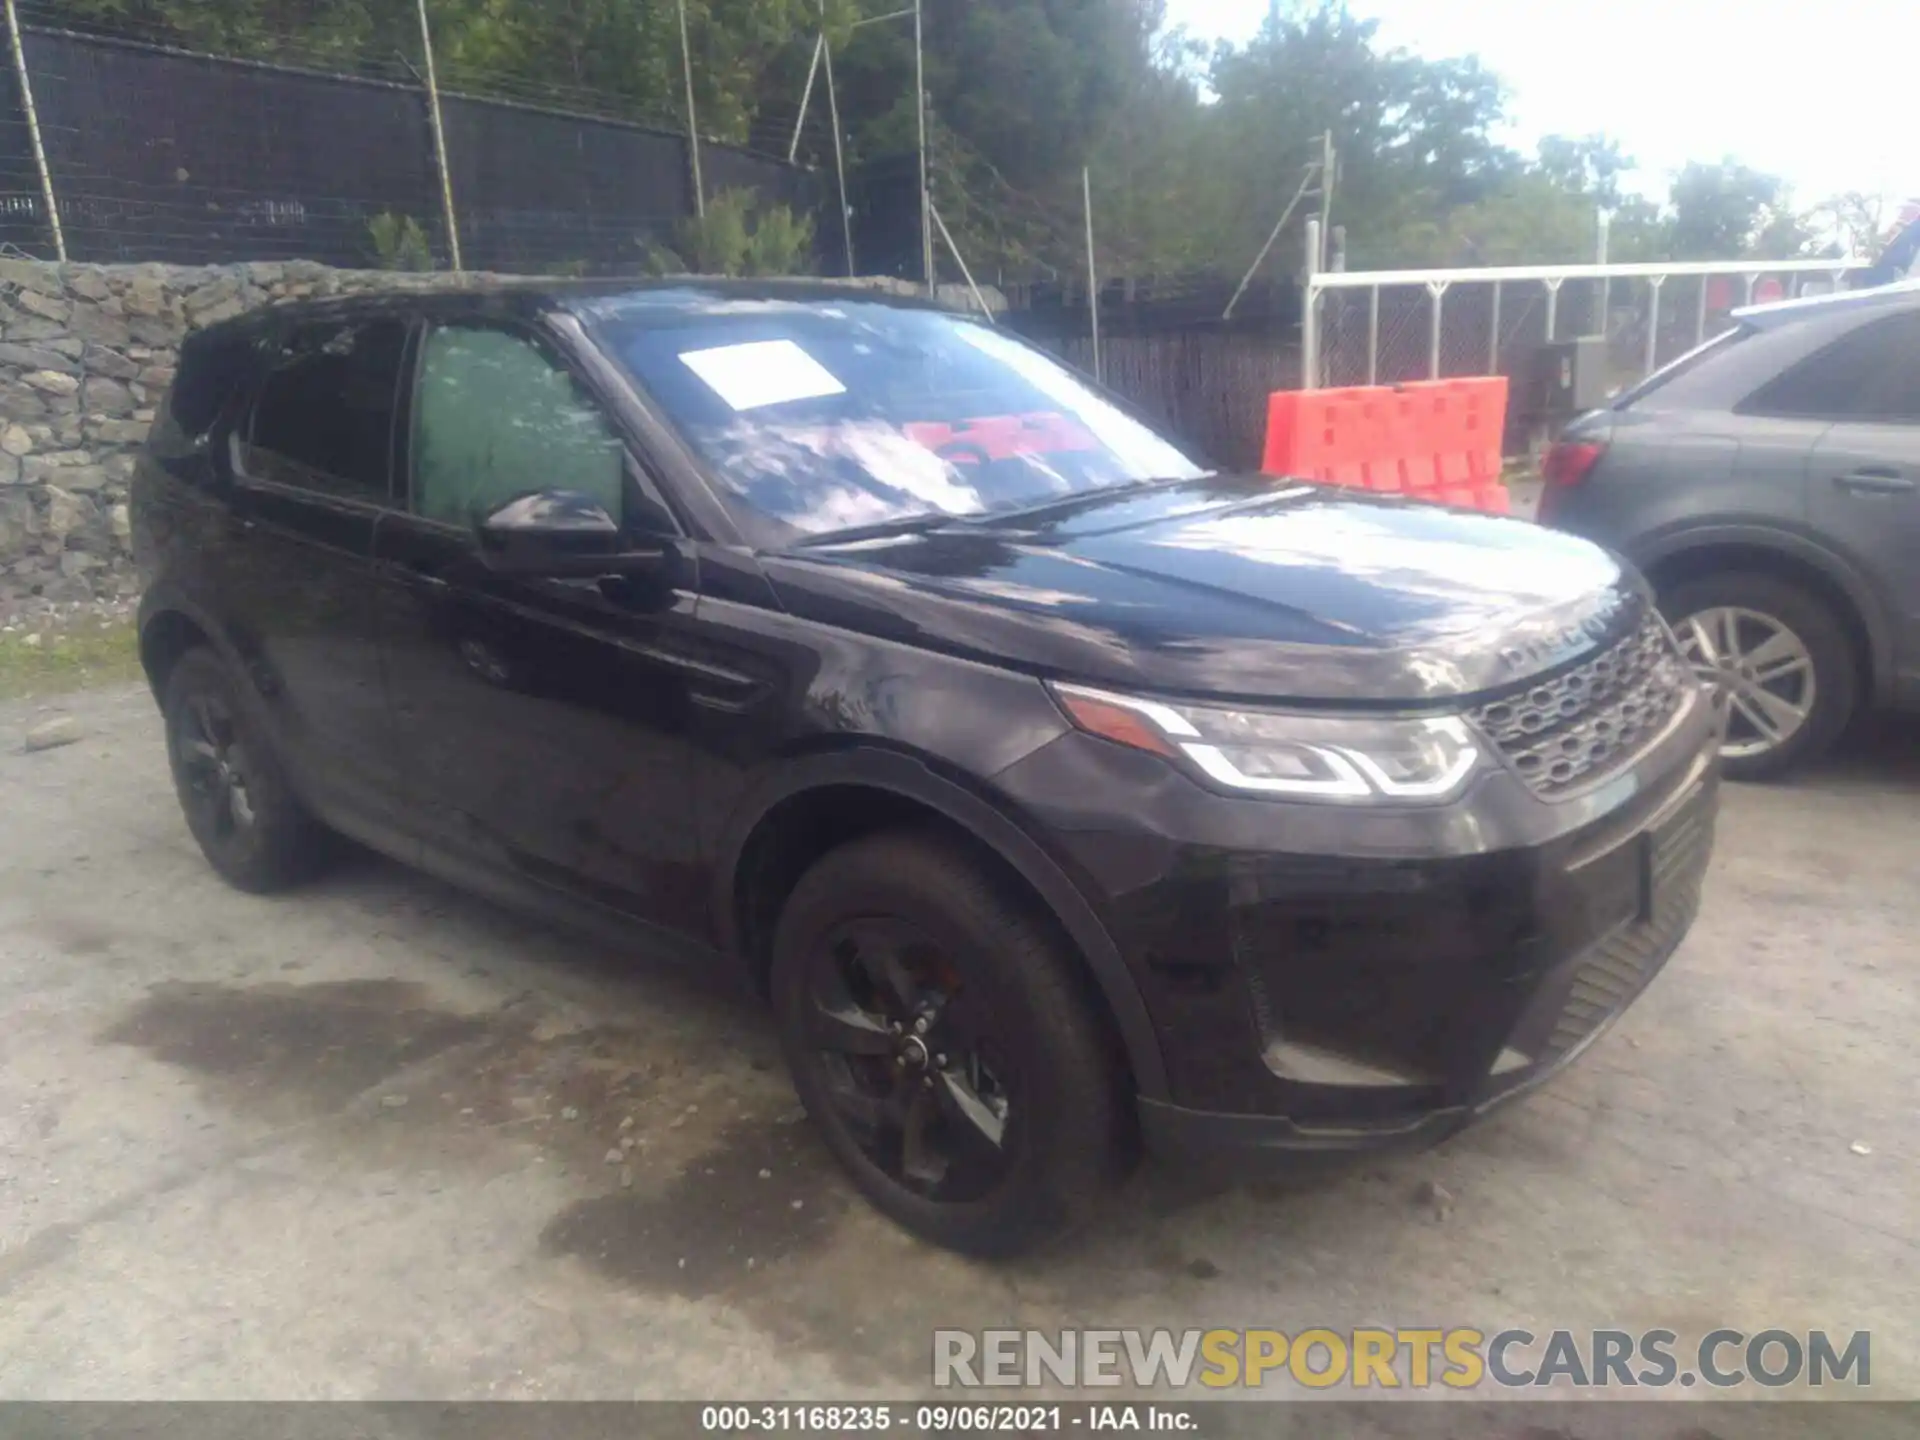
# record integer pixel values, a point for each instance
(1530, 297)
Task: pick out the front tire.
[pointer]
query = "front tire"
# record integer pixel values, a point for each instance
(947, 1046)
(1784, 659)
(238, 804)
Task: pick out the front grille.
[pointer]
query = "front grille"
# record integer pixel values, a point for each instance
(1616, 969)
(1584, 724)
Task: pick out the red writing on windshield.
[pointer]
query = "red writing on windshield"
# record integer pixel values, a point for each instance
(1001, 437)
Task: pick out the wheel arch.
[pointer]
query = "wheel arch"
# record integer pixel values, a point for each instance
(1693, 554)
(828, 799)
(169, 628)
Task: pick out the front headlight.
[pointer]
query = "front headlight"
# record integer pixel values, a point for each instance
(1345, 759)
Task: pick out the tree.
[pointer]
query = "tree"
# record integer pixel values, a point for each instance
(1731, 209)
(1586, 165)
(1858, 223)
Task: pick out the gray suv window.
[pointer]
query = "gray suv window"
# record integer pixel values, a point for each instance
(1872, 373)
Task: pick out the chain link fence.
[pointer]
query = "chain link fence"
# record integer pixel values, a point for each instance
(1439, 325)
(159, 154)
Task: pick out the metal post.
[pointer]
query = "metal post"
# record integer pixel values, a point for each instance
(1654, 282)
(1309, 319)
(1267, 249)
(920, 111)
(1604, 224)
(693, 118)
(839, 144)
(1750, 277)
(1553, 307)
(1326, 195)
(33, 136)
(1373, 335)
(806, 98)
(961, 261)
(1493, 341)
(1438, 290)
(439, 139)
(1093, 277)
(1700, 314)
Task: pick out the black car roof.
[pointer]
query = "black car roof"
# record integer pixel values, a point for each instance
(512, 296)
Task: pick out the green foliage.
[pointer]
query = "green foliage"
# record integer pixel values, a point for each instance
(1194, 150)
(399, 243)
(781, 243)
(738, 236)
(1726, 209)
(67, 658)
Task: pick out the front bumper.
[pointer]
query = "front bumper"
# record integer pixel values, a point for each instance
(1573, 1006)
(1384, 989)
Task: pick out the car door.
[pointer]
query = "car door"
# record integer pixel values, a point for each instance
(309, 473)
(546, 721)
(1863, 481)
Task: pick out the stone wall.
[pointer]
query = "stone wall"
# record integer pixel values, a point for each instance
(86, 353)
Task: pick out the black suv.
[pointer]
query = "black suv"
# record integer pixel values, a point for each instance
(1060, 793)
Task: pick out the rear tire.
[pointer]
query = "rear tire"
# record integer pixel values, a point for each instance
(1815, 669)
(250, 825)
(909, 923)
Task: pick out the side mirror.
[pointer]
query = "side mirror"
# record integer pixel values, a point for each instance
(556, 534)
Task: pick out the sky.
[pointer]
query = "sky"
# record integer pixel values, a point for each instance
(1821, 95)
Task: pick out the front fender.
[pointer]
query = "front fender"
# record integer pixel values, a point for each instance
(913, 779)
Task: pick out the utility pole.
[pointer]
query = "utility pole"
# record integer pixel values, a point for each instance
(1603, 226)
(1327, 162)
(33, 134)
(693, 119)
(439, 141)
(1306, 179)
(1093, 276)
(920, 112)
(839, 148)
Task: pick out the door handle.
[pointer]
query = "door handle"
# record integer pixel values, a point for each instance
(1875, 481)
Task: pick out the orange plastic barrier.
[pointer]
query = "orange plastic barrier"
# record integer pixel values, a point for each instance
(1436, 440)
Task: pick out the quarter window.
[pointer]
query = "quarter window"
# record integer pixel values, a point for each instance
(1872, 373)
(323, 419)
(495, 419)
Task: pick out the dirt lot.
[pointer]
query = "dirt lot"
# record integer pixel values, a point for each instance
(380, 1140)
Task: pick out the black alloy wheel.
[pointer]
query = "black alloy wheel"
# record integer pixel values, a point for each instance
(249, 823)
(213, 766)
(949, 1045)
(910, 1064)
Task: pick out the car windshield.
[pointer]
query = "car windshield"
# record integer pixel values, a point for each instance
(832, 416)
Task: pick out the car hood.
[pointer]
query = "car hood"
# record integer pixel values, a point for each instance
(1242, 587)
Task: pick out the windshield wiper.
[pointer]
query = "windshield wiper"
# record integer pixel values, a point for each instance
(880, 530)
(994, 518)
(986, 520)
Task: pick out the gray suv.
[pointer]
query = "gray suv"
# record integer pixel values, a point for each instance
(1769, 486)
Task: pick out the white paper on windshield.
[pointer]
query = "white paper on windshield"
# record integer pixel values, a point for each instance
(765, 372)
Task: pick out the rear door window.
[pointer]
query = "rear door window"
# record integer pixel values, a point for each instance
(1868, 374)
(323, 419)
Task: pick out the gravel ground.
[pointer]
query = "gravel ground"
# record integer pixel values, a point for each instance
(378, 1139)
